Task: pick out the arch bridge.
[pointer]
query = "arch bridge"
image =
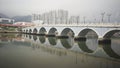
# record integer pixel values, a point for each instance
(73, 31)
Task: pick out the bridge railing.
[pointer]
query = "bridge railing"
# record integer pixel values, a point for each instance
(83, 25)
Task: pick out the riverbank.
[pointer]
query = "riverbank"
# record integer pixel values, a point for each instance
(10, 32)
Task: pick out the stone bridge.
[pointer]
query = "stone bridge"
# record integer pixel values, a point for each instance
(74, 31)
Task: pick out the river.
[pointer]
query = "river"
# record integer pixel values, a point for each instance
(32, 51)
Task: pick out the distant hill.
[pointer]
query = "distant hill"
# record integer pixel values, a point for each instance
(22, 18)
(18, 18)
(3, 16)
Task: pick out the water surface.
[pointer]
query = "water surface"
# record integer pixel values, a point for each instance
(31, 51)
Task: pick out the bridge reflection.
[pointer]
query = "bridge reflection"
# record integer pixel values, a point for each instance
(67, 43)
(34, 37)
(110, 51)
(52, 40)
(90, 45)
(29, 36)
(83, 47)
(42, 39)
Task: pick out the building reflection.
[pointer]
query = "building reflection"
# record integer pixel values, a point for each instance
(50, 50)
(52, 40)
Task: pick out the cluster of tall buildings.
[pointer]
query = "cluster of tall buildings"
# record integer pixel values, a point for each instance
(56, 17)
(74, 19)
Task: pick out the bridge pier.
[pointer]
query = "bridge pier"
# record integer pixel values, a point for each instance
(80, 38)
(62, 36)
(104, 41)
(50, 35)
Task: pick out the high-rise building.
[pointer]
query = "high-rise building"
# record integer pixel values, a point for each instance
(52, 17)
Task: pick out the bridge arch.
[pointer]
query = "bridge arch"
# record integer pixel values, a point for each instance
(42, 31)
(67, 32)
(52, 31)
(86, 31)
(102, 32)
(30, 30)
(109, 34)
(35, 31)
(26, 31)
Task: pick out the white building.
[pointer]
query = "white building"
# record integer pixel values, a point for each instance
(6, 21)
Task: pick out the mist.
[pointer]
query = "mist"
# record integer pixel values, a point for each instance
(90, 8)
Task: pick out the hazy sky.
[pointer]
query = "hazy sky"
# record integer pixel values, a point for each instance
(88, 8)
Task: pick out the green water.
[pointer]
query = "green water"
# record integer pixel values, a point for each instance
(31, 51)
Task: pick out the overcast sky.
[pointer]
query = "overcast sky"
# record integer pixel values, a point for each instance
(88, 8)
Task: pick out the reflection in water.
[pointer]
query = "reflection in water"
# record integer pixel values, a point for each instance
(115, 45)
(26, 35)
(42, 39)
(52, 40)
(34, 46)
(50, 50)
(1, 44)
(83, 47)
(89, 46)
(34, 37)
(7, 37)
(92, 43)
(67, 43)
(30, 36)
(19, 54)
(108, 49)
(20, 43)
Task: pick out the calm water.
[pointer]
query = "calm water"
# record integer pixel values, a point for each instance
(30, 51)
